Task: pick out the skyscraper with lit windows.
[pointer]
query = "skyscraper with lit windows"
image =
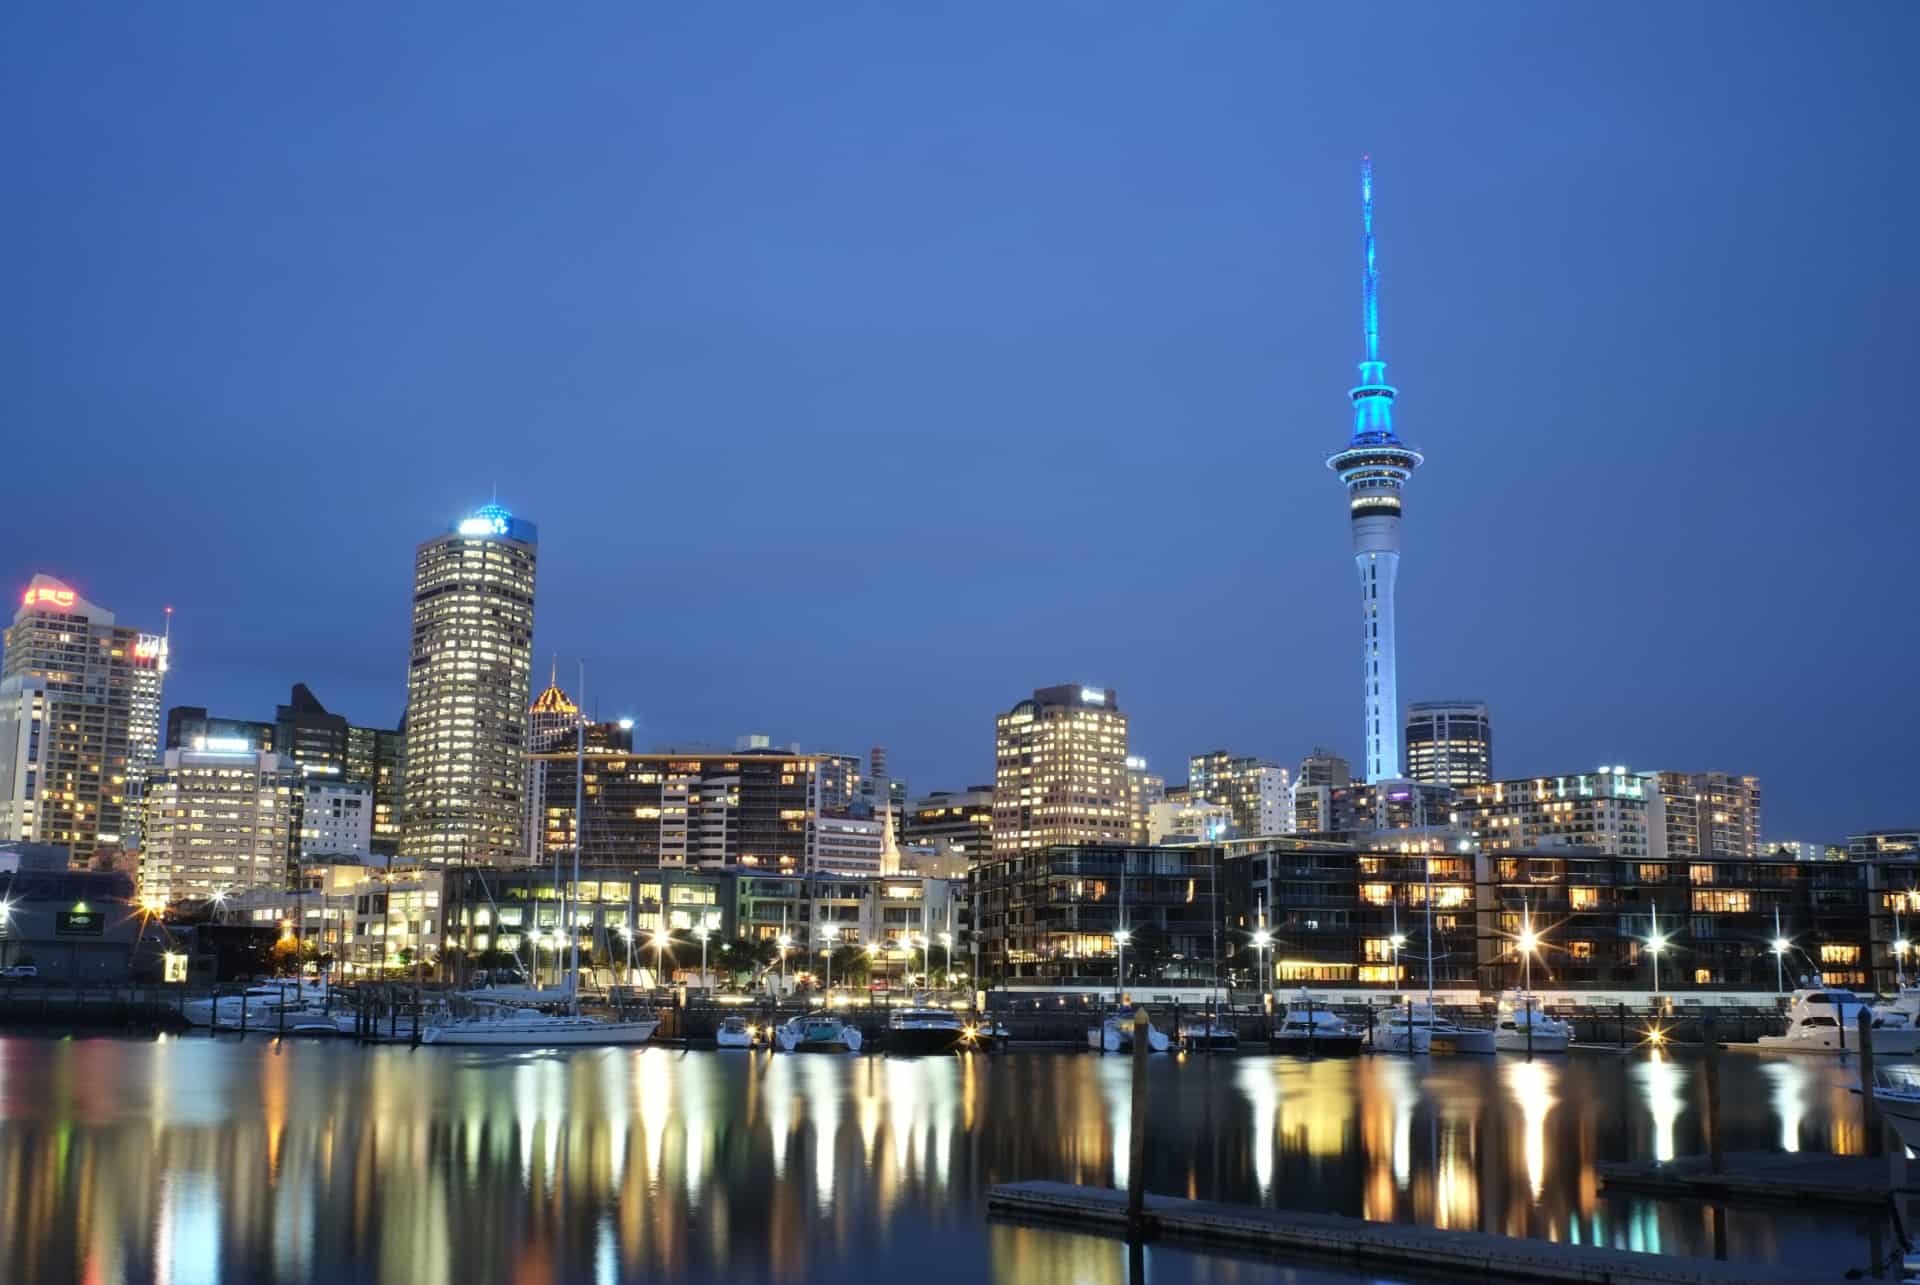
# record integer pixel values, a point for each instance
(1374, 467)
(468, 684)
(1060, 771)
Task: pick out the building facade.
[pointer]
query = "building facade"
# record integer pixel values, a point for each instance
(1144, 789)
(220, 820)
(468, 690)
(336, 818)
(1060, 771)
(1711, 814)
(754, 808)
(1610, 810)
(1449, 743)
(79, 711)
(1375, 467)
(1194, 821)
(1257, 793)
(955, 822)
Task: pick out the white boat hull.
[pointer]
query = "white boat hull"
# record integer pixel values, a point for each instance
(1117, 1037)
(564, 1032)
(1895, 1042)
(1398, 1037)
(1543, 1041)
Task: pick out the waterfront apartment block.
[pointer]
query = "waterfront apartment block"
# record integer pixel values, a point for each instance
(79, 722)
(1449, 742)
(1711, 814)
(1256, 793)
(1880, 844)
(468, 684)
(755, 808)
(1060, 771)
(1144, 789)
(220, 820)
(1053, 914)
(1610, 809)
(1192, 821)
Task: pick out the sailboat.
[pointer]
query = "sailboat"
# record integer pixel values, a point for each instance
(1208, 1032)
(1417, 1028)
(502, 1025)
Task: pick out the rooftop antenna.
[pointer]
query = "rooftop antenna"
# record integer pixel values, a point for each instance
(1372, 284)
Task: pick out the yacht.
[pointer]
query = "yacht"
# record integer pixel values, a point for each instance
(1897, 1093)
(262, 1002)
(735, 1032)
(1314, 1031)
(1416, 1028)
(818, 1033)
(1902, 1010)
(927, 1029)
(1828, 1021)
(1200, 1034)
(501, 1026)
(1524, 1027)
(1115, 1035)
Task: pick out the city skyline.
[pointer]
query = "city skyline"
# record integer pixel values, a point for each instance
(860, 342)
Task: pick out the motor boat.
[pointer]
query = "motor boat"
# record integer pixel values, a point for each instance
(1903, 1010)
(1897, 1093)
(259, 1004)
(501, 1026)
(1315, 1031)
(1417, 1028)
(736, 1032)
(1115, 1035)
(1524, 1027)
(819, 1033)
(925, 1029)
(1828, 1021)
(1202, 1035)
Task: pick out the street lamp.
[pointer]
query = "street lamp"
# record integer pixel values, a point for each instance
(946, 939)
(829, 933)
(701, 933)
(785, 941)
(659, 954)
(1262, 940)
(1528, 943)
(1656, 942)
(1398, 941)
(1120, 940)
(626, 932)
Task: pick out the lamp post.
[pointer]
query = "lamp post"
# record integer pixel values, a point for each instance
(785, 941)
(1527, 943)
(701, 933)
(1780, 947)
(1120, 940)
(626, 931)
(829, 933)
(946, 940)
(1656, 942)
(659, 955)
(1262, 940)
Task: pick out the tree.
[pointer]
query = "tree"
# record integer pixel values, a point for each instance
(851, 964)
(285, 957)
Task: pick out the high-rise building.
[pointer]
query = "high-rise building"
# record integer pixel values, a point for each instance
(956, 822)
(1254, 791)
(374, 757)
(467, 690)
(1711, 814)
(220, 819)
(152, 653)
(1612, 810)
(881, 791)
(79, 722)
(1449, 742)
(1144, 789)
(1321, 773)
(552, 718)
(1374, 468)
(1060, 770)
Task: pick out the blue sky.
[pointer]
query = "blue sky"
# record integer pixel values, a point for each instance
(868, 366)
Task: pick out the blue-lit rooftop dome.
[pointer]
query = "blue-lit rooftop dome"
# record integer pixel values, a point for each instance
(495, 519)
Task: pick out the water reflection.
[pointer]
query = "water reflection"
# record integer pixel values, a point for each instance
(200, 1160)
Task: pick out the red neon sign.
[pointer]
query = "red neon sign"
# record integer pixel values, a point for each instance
(58, 597)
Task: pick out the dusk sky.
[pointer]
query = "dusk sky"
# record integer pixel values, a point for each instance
(867, 367)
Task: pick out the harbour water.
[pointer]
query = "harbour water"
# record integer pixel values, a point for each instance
(201, 1159)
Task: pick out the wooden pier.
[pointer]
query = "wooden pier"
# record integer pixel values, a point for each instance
(1355, 1240)
(1803, 1178)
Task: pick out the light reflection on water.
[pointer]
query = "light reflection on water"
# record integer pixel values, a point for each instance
(199, 1160)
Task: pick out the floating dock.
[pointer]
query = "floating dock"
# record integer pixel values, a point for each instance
(1332, 1236)
(1803, 1178)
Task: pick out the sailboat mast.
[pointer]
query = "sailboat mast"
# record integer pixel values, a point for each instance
(579, 833)
(1427, 860)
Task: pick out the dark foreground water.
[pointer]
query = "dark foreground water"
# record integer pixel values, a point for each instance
(201, 1160)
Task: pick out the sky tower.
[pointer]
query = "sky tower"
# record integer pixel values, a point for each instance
(1374, 467)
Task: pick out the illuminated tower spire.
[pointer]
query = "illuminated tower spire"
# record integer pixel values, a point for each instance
(1374, 467)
